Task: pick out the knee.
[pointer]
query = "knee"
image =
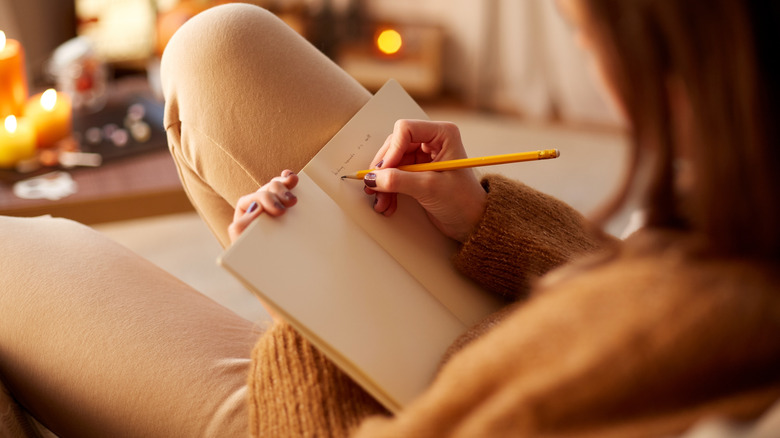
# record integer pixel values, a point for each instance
(218, 28)
(30, 229)
(41, 250)
(210, 43)
(38, 236)
(209, 60)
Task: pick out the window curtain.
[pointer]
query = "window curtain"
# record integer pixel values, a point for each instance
(534, 67)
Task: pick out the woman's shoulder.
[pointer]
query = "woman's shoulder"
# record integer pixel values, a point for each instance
(655, 327)
(659, 284)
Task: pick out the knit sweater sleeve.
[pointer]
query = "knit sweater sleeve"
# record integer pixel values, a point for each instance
(522, 235)
(294, 390)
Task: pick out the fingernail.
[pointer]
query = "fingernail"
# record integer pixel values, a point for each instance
(380, 163)
(279, 205)
(376, 201)
(252, 208)
(370, 179)
(289, 196)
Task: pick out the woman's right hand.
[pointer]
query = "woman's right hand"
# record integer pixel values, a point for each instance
(273, 198)
(453, 199)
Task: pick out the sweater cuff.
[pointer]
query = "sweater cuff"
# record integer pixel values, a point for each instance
(294, 390)
(522, 235)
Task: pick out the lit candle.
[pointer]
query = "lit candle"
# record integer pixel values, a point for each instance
(51, 115)
(17, 141)
(13, 78)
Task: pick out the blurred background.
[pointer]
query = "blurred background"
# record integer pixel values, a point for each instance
(508, 72)
(508, 56)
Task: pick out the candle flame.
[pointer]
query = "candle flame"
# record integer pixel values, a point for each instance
(2, 40)
(389, 41)
(49, 99)
(10, 124)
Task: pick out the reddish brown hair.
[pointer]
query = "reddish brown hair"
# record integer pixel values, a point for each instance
(723, 54)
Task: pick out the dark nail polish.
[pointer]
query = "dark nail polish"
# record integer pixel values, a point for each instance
(279, 205)
(376, 201)
(289, 196)
(252, 208)
(370, 179)
(380, 163)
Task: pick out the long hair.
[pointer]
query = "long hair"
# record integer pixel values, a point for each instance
(724, 54)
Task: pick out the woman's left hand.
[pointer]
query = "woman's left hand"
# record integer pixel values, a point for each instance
(273, 198)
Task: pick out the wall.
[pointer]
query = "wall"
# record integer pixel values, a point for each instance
(40, 32)
(514, 56)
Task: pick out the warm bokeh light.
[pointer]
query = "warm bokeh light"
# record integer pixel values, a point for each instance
(389, 42)
(2, 40)
(10, 124)
(49, 99)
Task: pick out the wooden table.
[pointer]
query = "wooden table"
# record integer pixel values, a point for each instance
(130, 188)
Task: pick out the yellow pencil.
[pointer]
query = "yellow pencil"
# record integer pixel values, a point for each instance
(470, 162)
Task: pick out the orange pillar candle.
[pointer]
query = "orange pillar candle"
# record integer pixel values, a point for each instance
(52, 116)
(17, 141)
(13, 78)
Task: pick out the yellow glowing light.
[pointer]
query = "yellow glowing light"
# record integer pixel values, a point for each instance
(10, 124)
(389, 42)
(49, 99)
(2, 40)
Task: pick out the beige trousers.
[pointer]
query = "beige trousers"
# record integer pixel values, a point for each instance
(94, 340)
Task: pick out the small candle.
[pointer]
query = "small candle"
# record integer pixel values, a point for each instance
(51, 115)
(17, 141)
(13, 78)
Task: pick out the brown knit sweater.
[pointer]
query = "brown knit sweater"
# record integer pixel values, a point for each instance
(643, 342)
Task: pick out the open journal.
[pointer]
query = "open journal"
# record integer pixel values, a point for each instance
(377, 295)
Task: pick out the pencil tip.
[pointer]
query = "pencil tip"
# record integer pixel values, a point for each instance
(343, 176)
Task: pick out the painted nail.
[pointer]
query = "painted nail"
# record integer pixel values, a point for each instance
(252, 208)
(279, 205)
(289, 196)
(370, 179)
(380, 163)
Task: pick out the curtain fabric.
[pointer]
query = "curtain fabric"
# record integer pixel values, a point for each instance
(538, 69)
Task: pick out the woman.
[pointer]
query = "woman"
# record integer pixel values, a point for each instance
(646, 337)
(639, 338)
